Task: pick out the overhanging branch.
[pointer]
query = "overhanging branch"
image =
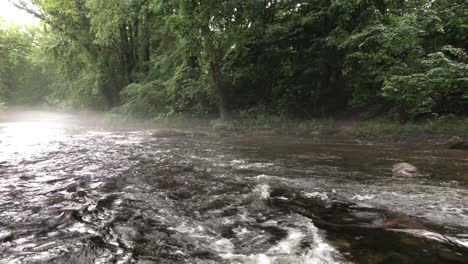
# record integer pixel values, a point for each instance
(23, 5)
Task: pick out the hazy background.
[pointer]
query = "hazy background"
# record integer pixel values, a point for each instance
(11, 13)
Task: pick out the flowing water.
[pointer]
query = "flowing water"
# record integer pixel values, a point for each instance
(73, 190)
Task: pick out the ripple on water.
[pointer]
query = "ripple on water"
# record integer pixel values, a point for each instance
(300, 232)
(173, 197)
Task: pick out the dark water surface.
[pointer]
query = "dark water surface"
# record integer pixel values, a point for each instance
(74, 191)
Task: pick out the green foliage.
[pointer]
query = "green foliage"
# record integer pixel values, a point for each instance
(280, 125)
(22, 79)
(295, 58)
(374, 53)
(439, 87)
(144, 100)
(444, 124)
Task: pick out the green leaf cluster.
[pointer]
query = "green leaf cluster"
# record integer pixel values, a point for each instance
(292, 58)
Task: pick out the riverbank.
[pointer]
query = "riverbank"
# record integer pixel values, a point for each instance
(437, 130)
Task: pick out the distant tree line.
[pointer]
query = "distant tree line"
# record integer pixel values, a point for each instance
(406, 59)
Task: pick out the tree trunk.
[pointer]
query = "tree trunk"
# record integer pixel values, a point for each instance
(135, 42)
(127, 42)
(146, 41)
(124, 55)
(221, 93)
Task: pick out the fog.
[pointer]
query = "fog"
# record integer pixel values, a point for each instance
(31, 116)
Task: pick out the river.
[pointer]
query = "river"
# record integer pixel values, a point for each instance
(75, 190)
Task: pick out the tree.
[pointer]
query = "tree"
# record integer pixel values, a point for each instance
(292, 58)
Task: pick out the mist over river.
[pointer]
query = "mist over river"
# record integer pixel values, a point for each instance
(74, 189)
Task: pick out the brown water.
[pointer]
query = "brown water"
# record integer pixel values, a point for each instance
(73, 190)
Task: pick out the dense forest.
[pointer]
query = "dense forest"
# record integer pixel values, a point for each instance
(404, 59)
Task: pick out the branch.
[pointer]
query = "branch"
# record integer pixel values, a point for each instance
(23, 5)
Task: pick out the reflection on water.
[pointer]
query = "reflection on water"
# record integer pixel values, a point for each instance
(23, 140)
(75, 191)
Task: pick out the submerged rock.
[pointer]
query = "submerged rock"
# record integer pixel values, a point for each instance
(457, 143)
(404, 169)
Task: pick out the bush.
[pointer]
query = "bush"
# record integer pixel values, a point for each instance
(144, 100)
(439, 88)
(444, 124)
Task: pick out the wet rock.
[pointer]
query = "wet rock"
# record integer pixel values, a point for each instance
(404, 169)
(64, 218)
(6, 237)
(72, 188)
(106, 203)
(457, 143)
(402, 223)
(4, 164)
(81, 193)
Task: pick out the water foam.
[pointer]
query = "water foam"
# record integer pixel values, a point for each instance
(290, 250)
(320, 195)
(263, 190)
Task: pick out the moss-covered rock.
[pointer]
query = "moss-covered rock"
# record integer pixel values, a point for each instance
(456, 142)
